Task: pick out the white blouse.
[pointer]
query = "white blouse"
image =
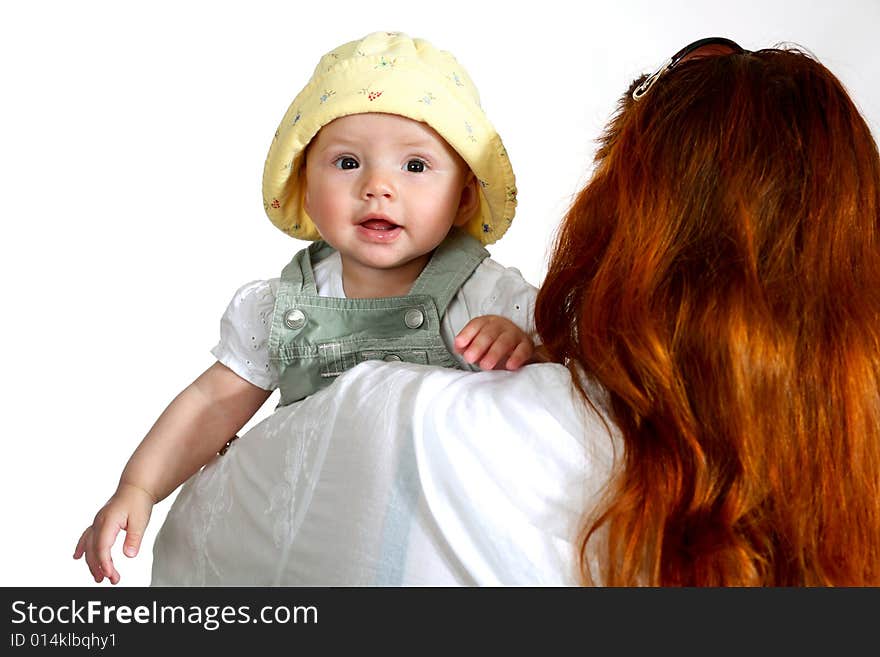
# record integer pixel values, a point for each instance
(244, 328)
(399, 475)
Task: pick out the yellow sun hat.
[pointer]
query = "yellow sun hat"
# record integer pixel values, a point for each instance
(392, 73)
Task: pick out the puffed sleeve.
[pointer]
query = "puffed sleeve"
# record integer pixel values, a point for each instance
(244, 334)
(494, 289)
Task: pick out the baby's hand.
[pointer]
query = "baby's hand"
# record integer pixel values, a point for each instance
(128, 509)
(494, 341)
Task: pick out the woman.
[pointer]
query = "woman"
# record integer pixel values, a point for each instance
(720, 278)
(714, 294)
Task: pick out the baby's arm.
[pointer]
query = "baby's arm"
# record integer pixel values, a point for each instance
(494, 342)
(194, 426)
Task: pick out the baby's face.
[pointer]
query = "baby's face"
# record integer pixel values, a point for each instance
(385, 190)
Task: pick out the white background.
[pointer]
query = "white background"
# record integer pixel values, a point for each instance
(132, 143)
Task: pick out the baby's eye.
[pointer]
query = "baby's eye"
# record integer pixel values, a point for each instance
(415, 166)
(346, 163)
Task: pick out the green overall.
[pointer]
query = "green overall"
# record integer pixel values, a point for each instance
(314, 339)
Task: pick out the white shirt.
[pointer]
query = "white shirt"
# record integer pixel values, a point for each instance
(398, 474)
(244, 328)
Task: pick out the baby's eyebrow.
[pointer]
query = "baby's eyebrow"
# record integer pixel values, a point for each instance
(337, 142)
(419, 143)
(355, 143)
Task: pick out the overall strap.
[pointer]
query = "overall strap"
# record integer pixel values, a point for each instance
(450, 266)
(299, 273)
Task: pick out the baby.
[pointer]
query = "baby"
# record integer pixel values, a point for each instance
(387, 161)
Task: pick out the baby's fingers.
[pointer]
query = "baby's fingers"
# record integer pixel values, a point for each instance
(521, 355)
(478, 348)
(86, 547)
(104, 541)
(134, 532)
(81, 545)
(468, 333)
(500, 348)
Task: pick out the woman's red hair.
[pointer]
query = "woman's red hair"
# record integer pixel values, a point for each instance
(719, 276)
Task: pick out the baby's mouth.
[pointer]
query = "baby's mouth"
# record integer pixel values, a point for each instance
(379, 229)
(378, 224)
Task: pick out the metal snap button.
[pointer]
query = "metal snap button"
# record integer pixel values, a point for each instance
(295, 318)
(414, 318)
(393, 358)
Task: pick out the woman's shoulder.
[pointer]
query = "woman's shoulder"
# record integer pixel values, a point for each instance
(536, 407)
(509, 462)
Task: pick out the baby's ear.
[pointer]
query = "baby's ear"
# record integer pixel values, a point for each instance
(469, 201)
(303, 185)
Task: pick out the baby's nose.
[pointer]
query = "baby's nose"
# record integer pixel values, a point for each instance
(378, 184)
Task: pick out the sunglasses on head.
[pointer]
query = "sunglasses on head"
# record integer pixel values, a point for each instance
(701, 48)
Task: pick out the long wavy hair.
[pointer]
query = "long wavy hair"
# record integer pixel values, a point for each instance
(719, 276)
